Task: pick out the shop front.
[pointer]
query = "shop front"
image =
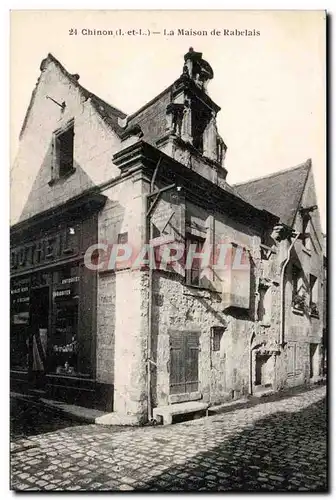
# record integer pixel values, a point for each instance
(53, 306)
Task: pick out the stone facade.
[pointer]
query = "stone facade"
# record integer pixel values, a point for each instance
(159, 338)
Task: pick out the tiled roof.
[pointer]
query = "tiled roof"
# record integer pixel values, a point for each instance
(279, 193)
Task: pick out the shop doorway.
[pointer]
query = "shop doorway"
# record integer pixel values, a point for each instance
(39, 335)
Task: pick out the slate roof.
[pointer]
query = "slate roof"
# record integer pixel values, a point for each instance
(279, 193)
(150, 117)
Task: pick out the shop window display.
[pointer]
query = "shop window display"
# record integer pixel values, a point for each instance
(64, 348)
(45, 309)
(20, 319)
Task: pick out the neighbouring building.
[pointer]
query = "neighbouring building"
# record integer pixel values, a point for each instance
(97, 196)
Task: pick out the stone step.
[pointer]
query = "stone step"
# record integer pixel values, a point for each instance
(167, 412)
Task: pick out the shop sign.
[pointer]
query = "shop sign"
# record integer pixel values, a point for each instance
(62, 293)
(45, 250)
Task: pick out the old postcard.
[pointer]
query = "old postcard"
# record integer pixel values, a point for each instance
(168, 251)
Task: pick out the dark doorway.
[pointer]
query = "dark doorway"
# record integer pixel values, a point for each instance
(39, 335)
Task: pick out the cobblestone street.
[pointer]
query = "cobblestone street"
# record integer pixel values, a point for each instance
(271, 446)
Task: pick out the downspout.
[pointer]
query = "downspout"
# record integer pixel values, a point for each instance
(250, 362)
(254, 332)
(282, 291)
(150, 299)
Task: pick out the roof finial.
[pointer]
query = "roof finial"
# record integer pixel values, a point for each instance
(197, 68)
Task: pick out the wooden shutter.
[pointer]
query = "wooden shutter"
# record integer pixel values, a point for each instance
(191, 348)
(184, 348)
(177, 376)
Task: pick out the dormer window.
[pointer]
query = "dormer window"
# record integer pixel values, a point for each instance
(63, 152)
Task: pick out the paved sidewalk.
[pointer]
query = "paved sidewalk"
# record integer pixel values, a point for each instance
(273, 446)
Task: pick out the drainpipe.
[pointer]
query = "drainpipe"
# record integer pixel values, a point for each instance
(149, 360)
(250, 362)
(282, 291)
(150, 298)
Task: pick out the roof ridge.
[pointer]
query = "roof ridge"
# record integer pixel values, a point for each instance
(74, 79)
(70, 75)
(149, 103)
(307, 164)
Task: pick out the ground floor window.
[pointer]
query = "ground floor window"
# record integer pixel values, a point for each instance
(20, 318)
(64, 341)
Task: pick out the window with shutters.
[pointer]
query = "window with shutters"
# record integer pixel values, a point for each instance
(63, 152)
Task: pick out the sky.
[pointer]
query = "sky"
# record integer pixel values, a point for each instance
(270, 87)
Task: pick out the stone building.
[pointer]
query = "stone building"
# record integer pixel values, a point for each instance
(106, 211)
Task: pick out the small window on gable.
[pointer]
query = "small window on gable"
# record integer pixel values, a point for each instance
(63, 157)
